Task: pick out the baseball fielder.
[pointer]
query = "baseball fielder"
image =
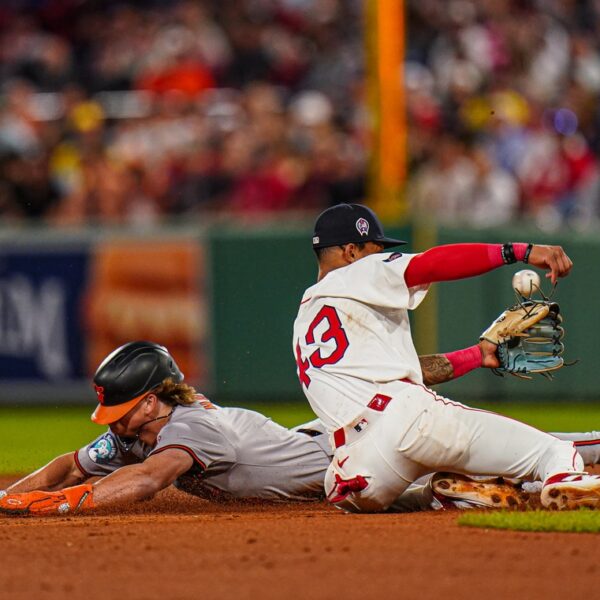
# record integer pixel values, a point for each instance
(360, 372)
(161, 431)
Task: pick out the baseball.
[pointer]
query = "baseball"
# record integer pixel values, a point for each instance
(526, 282)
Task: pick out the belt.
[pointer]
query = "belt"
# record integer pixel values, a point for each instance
(377, 403)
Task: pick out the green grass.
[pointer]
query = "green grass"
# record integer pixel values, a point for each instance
(30, 437)
(568, 416)
(578, 521)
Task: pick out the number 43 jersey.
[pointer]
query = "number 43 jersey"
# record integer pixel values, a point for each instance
(352, 334)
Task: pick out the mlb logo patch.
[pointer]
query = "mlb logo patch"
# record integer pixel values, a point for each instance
(360, 425)
(362, 225)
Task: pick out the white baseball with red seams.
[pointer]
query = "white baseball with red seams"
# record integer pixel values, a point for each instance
(352, 342)
(526, 282)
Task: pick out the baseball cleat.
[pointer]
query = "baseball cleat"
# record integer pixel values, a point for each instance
(440, 502)
(491, 492)
(571, 491)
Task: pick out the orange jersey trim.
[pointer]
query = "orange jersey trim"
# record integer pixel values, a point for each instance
(78, 464)
(185, 449)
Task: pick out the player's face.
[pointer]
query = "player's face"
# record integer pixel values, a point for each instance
(356, 252)
(371, 248)
(128, 425)
(352, 252)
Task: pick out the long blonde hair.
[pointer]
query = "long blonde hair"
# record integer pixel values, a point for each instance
(172, 393)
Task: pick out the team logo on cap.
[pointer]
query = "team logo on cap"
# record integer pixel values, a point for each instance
(363, 226)
(103, 450)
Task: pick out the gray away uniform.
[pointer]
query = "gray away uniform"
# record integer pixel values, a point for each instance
(237, 453)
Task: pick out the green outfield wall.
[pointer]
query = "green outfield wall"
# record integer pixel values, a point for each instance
(223, 298)
(258, 277)
(257, 280)
(465, 308)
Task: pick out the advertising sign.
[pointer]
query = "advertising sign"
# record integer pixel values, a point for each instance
(63, 310)
(41, 336)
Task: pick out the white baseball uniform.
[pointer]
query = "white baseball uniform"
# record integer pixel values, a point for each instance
(419, 495)
(361, 374)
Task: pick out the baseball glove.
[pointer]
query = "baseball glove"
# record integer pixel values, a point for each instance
(528, 336)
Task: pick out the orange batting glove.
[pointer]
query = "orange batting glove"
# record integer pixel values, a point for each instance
(71, 499)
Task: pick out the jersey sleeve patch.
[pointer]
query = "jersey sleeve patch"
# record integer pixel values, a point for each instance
(393, 256)
(103, 450)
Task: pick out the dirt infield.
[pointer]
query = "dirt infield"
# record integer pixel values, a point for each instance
(178, 547)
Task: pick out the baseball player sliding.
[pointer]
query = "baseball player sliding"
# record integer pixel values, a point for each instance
(161, 431)
(360, 372)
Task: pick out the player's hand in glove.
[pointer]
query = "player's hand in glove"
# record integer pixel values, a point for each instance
(36, 503)
(528, 338)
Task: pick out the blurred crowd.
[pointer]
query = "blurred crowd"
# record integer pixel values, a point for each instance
(127, 112)
(503, 109)
(123, 111)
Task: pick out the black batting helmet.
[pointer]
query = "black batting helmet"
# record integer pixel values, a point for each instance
(127, 374)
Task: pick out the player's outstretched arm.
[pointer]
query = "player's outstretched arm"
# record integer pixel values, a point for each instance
(58, 473)
(439, 368)
(130, 483)
(459, 261)
(436, 368)
(143, 480)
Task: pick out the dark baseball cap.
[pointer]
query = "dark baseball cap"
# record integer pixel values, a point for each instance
(349, 223)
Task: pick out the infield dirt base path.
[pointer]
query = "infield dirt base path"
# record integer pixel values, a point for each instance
(179, 547)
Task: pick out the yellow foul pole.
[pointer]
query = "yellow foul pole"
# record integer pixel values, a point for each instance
(384, 25)
(385, 41)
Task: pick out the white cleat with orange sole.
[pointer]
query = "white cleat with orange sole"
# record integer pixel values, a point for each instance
(571, 491)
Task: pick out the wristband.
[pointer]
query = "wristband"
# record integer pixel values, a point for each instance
(508, 254)
(527, 253)
(520, 249)
(466, 360)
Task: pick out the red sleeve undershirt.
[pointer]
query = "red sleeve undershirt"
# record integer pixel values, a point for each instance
(456, 261)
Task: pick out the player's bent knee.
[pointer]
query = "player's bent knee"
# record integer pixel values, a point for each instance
(560, 452)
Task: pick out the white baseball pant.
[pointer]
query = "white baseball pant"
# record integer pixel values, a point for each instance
(411, 431)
